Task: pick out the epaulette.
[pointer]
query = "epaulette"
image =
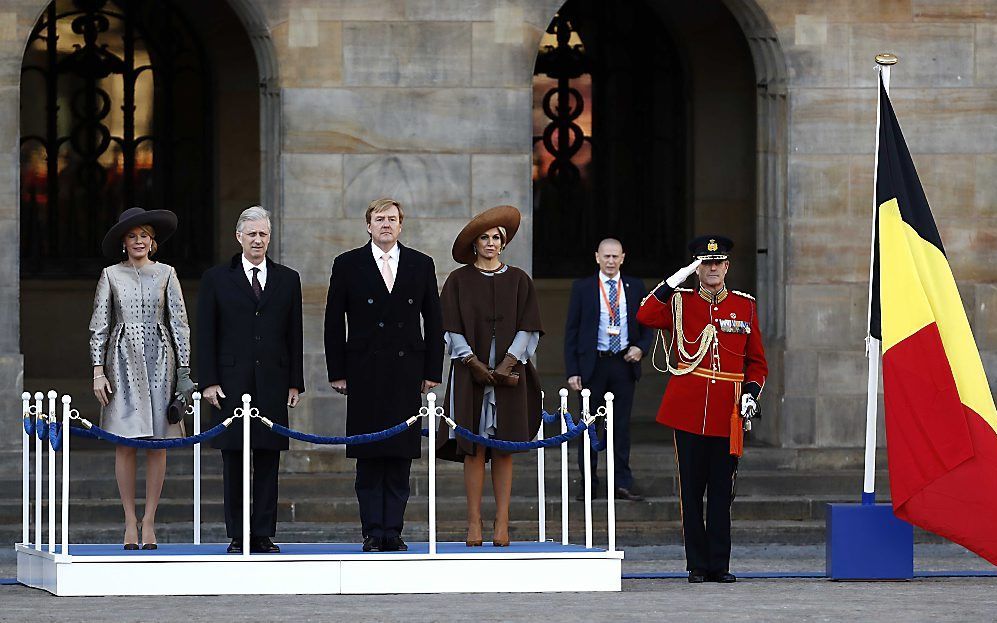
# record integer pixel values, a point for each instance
(744, 294)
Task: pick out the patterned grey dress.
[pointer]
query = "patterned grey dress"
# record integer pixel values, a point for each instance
(139, 333)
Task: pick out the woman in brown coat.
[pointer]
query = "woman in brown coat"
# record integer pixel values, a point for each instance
(492, 322)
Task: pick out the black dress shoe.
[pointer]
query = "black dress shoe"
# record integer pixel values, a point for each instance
(149, 546)
(394, 544)
(696, 577)
(371, 544)
(235, 547)
(131, 546)
(723, 578)
(623, 493)
(263, 545)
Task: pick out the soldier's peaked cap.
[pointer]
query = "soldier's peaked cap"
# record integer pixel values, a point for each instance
(711, 247)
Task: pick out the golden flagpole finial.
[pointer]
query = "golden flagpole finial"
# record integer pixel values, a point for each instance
(886, 59)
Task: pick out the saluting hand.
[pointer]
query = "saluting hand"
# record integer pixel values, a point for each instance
(682, 274)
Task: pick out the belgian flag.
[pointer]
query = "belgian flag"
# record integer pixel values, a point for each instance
(941, 424)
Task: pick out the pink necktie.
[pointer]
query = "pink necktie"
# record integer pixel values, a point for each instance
(389, 279)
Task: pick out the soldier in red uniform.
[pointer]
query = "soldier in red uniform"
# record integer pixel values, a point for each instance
(719, 374)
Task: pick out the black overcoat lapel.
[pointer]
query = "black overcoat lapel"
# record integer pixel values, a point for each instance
(239, 277)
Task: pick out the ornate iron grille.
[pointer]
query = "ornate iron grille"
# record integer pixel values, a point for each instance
(115, 112)
(609, 140)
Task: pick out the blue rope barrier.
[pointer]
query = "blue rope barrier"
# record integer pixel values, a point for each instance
(550, 418)
(574, 430)
(351, 440)
(597, 444)
(41, 429)
(55, 436)
(29, 425)
(148, 444)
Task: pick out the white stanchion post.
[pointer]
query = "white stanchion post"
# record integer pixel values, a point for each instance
(246, 399)
(197, 469)
(564, 467)
(587, 455)
(541, 486)
(610, 474)
(66, 412)
(25, 471)
(52, 419)
(38, 472)
(431, 425)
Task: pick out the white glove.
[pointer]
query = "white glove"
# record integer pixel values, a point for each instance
(749, 407)
(682, 274)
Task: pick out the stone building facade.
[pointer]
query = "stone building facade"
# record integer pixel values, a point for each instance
(323, 105)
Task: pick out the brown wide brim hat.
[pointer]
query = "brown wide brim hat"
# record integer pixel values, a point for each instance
(163, 221)
(499, 216)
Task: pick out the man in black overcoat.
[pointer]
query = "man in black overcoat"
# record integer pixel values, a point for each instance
(249, 342)
(603, 346)
(387, 295)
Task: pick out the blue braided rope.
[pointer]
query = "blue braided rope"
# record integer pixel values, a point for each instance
(29, 425)
(550, 418)
(597, 444)
(41, 428)
(147, 444)
(351, 440)
(55, 436)
(574, 430)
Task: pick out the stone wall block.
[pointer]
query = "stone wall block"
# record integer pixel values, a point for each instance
(443, 120)
(313, 185)
(819, 56)
(829, 250)
(451, 10)
(819, 186)
(842, 372)
(798, 421)
(801, 372)
(497, 180)
(833, 121)
(310, 51)
(840, 421)
(504, 55)
(984, 317)
(352, 10)
(820, 316)
(406, 54)
(962, 11)
(932, 55)
(427, 185)
(783, 13)
(970, 247)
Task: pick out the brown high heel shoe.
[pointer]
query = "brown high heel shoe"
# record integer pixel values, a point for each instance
(498, 541)
(474, 542)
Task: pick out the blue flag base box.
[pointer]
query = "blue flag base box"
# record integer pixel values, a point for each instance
(868, 542)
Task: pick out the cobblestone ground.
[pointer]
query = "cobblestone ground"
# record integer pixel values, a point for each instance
(934, 599)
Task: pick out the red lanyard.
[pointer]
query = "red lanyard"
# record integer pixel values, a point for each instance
(609, 308)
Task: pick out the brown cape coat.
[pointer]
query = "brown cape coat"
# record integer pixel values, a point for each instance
(478, 306)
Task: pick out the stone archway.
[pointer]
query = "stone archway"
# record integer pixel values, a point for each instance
(759, 208)
(244, 95)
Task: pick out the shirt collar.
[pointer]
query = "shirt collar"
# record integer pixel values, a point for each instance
(248, 266)
(604, 277)
(376, 250)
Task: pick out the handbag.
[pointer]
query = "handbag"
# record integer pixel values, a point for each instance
(177, 409)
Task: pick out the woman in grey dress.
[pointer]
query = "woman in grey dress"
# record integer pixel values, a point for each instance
(140, 350)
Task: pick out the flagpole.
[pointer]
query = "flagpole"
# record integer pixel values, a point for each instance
(872, 345)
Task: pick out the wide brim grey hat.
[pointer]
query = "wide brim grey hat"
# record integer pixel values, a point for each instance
(163, 221)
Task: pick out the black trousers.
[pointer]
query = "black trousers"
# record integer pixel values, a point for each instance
(612, 374)
(263, 519)
(382, 487)
(705, 465)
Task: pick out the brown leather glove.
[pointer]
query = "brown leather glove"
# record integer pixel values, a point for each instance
(479, 371)
(504, 374)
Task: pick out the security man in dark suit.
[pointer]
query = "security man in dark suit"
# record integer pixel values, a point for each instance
(386, 296)
(249, 341)
(603, 346)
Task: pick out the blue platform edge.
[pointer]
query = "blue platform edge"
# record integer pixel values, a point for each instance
(868, 542)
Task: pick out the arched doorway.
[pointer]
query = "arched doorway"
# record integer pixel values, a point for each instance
(681, 137)
(127, 103)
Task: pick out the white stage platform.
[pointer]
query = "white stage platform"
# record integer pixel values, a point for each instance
(319, 569)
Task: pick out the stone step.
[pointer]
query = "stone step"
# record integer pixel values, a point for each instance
(630, 534)
(450, 482)
(345, 510)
